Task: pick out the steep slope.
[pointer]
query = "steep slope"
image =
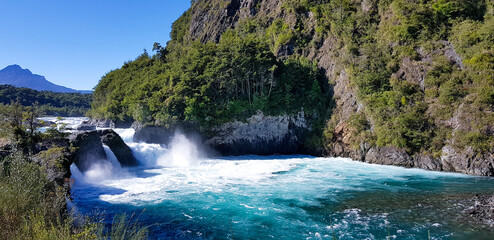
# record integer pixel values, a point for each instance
(16, 76)
(407, 83)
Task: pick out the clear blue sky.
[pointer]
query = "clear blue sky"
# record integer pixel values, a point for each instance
(75, 42)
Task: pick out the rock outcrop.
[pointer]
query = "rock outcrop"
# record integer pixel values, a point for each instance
(57, 160)
(101, 123)
(118, 147)
(154, 134)
(260, 135)
(467, 161)
(89, 149)
(389, 156)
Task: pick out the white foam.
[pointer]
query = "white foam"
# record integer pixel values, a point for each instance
(69, 122)
(147, 154)
(127, 134)
(182, 153)
(102, 170)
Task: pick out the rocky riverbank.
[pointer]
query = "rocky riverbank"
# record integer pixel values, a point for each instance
(266, 135)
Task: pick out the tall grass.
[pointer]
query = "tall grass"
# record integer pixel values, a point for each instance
(31, 207)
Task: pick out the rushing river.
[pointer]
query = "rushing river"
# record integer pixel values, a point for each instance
(180, 194)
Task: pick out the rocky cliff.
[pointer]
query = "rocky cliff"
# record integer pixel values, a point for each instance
(410, 83)
(330, 53)
(261, 135)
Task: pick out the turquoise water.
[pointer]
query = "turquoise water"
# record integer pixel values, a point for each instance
(182, 195)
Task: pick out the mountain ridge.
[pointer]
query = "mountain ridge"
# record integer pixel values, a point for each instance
(17, 76)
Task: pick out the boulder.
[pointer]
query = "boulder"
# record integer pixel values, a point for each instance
(123, 153)
(89, 149)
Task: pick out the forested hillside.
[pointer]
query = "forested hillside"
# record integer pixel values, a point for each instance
(50, 103)
(414, 75)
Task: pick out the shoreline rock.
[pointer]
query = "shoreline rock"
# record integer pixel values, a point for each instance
(154, 134)
(483, 209)
(261, 135)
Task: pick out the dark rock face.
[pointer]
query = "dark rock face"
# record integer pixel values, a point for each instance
(89, 149)
(154, 134)
(118, 147)
(257, 146)
(261, 135)
(467, 161)
(389, 156)
(427, 162)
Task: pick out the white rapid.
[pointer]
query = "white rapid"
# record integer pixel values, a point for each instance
(101, 170)
(67, 123)
(182, 194)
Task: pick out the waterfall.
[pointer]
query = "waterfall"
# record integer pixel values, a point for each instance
(180, 153)
(183, 152)
(101, 170)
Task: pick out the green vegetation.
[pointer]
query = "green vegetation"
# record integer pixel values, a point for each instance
(32, 207)
(404, 113)
(18, 124)
(50, 103)
(33, 190)
(412, 64)
(210, 84)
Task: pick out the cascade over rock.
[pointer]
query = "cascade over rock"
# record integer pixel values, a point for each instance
(259, 135)
(123, 153)
(89, 148)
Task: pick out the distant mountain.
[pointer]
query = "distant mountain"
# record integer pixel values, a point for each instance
(16, 76)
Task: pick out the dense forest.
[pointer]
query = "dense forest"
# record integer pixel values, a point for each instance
(422, 71)
(50, 103)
